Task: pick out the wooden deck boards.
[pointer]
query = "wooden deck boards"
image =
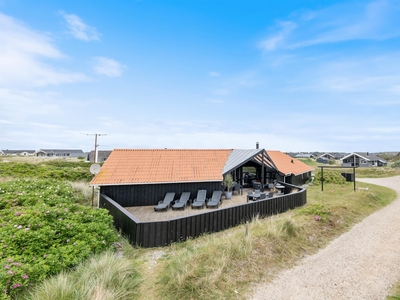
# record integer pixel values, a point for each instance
(147, 213)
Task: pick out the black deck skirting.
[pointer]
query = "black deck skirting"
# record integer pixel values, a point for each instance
(162, 233)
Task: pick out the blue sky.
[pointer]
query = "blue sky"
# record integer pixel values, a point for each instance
(291, 75)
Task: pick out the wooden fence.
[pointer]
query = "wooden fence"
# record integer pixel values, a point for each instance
(162, 233)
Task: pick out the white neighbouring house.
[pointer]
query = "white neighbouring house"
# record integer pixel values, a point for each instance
(363, 159)
(60, 153)
(17, 152)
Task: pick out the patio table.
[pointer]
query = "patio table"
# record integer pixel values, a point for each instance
(280, 188)
(253, 196)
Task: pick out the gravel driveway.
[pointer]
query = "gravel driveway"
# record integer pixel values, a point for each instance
(360, 264)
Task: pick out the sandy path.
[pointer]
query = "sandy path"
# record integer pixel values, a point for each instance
(360, 264)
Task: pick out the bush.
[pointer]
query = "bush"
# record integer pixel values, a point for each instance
(329, 177)
(44, 231)
(54, 169)
(396, 164)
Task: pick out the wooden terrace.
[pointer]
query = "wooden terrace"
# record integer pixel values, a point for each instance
(145, 227)
(147, 213)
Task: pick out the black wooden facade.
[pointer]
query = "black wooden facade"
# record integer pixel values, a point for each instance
(162, 233)
(151, 194)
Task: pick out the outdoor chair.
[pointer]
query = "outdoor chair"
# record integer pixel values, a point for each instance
(270, 194)
(165, 204)
(237, 188)
(182, 201)
(262, 196)
(257, 186)
(200, 200)
(215, 199)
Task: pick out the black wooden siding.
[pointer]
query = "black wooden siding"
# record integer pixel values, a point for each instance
(151, 194)
(162, 233)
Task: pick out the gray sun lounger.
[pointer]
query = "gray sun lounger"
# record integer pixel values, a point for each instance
(182, 202)
(200, 201)
(165, 204)
(215, 200)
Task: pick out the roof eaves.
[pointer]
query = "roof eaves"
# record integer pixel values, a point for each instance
(147, 183)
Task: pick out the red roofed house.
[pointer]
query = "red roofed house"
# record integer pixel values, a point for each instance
(142, 177)
(138, 177)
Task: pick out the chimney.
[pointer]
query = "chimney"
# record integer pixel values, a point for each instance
(367, 153)
(257, 145)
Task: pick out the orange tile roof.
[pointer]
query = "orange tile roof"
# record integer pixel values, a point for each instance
(143, 166)
(287, 164)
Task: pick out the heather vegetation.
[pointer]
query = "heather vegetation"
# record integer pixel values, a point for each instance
(48, 169)
(44, 228)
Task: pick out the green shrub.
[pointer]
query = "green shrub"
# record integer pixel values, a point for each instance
(329, 177)
(396, 164)
(44, 231)
(54, 169)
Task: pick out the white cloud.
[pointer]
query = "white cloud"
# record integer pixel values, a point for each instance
(79, 30)
(376, 20)
(23, 53)
(22, 106)
(278, 38)
(107, 66)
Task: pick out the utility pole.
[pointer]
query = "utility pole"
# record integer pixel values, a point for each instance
(95, 155)
(95, 144)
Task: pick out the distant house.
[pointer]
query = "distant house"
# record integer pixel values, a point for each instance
(322, 160)
(304, 155)
(326, 157)
(301, 155)
(60, 153)
(363, 159)
(101, 155)
(17, 152)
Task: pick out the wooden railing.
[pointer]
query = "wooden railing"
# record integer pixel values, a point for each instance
(162, 233)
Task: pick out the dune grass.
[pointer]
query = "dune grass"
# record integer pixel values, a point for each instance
(103, 277)
(377, 172)
(83, 188)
